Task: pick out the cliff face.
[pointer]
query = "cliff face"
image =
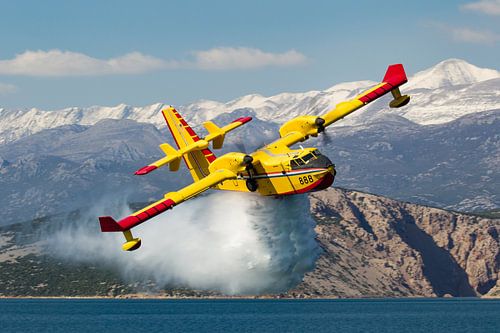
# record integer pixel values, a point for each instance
(375, 246)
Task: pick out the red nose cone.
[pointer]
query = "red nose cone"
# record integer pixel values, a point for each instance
(325, 182)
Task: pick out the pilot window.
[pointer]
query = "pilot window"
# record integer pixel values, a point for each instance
(308, 157)
(297, 162)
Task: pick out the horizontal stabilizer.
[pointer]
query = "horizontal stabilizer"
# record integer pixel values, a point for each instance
(217, 134)
(169, 150)
(173, 157)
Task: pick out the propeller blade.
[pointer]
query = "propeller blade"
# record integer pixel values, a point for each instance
(326, 138)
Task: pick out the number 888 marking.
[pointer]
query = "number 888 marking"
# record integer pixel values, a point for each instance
(306, 180)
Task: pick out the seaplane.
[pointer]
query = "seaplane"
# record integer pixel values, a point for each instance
(273, 170)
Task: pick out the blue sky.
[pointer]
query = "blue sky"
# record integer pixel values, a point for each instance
(56, 54)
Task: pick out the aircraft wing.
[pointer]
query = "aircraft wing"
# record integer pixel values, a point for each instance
(300, 128)
(108, 224)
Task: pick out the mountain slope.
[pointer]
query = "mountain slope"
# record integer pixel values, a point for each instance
(453, 165)
(375, 246)
(69, 167)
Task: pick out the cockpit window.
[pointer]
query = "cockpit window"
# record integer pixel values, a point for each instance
(308, 157)
(297, 162)
(311, 159)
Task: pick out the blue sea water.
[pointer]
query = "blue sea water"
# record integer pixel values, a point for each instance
(362, 315)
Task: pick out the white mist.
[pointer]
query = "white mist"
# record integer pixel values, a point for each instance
(235, 243)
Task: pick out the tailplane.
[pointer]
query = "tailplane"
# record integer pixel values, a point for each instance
(193, 150)
(197, 161)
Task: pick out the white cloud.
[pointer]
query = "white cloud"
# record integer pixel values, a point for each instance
(6, 88)
(67, 63)
(491, 7)
(467, 35)
(245, 58)
(473, 36)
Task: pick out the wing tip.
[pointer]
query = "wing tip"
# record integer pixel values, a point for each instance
(242, 120)
(395, 75)
(108, 224)
(145, 170)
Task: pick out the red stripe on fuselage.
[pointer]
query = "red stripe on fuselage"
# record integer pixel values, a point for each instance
(320, 184)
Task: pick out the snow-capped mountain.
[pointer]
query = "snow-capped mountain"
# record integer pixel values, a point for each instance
(451, 72)
(440, 94)
(15, 124)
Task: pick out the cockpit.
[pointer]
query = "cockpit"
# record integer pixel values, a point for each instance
(312, 159)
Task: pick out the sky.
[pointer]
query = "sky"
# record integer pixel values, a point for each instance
(57, 54)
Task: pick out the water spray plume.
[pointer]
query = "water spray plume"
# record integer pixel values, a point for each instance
(230, 242)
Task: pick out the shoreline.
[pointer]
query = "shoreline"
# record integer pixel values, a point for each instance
(264, 297)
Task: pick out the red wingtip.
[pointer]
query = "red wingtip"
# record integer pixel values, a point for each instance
(108, 224)
(242, 120)
(145, 170)
(395, 75)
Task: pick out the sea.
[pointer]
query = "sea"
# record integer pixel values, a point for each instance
(249, 315)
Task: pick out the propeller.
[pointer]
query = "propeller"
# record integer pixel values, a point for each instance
(247, 160)
(327, 139)
(320, 124)
(251, 183)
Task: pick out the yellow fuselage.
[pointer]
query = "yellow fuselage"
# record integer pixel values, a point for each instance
(282, 173)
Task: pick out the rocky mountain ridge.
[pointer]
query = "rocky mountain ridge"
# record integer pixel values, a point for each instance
(440, 94)
(376, 246)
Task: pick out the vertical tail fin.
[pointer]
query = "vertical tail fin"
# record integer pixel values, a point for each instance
(196, 161)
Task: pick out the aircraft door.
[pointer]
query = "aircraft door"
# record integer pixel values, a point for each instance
(289, 183)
